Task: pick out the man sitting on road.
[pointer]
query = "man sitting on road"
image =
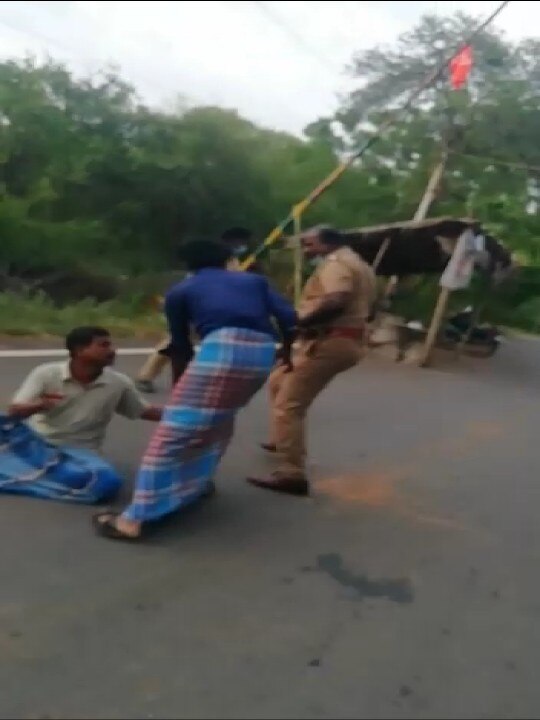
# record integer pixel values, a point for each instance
(68, 404)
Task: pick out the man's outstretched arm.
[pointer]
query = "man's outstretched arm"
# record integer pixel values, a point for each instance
(328, 308)
(338, 283)
(132, 406)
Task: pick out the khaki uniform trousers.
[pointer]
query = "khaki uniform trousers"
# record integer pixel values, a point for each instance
(316, 363)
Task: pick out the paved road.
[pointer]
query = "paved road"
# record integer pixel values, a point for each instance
(409, 586)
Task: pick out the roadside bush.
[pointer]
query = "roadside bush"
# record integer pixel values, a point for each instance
(38, 315)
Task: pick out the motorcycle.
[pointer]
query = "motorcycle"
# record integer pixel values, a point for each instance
(481, 339)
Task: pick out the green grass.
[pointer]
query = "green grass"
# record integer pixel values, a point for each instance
(39, 316)
(516, 304)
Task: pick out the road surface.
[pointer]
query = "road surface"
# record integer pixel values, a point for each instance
(407, 587)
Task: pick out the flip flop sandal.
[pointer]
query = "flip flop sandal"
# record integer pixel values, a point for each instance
(210, 490)
(108, 529)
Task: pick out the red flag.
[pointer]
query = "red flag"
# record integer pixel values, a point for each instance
(460, 67)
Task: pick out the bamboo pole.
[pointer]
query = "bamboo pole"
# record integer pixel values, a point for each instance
(432, 187)
(380, 254)
(298, 258)
(436, 320)
(391, 120)
(430, 193)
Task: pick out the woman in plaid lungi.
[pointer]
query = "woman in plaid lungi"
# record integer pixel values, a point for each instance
(232, 313)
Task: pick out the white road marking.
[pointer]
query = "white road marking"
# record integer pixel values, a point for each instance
(58, 352)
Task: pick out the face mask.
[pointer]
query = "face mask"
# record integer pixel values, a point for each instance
(240, 250)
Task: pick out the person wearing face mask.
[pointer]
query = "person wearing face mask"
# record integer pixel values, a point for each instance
(239, 241)
(332, 333)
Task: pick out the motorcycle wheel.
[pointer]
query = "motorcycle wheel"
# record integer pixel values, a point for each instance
(492, 348)
(483, 350)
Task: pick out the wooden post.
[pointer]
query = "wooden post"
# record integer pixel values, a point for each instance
(380, 254)
(298, 259)
(432, 187)
(436, 320)
(430, 193)
(456, 276)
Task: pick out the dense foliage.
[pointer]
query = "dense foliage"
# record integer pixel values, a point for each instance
(91, 178)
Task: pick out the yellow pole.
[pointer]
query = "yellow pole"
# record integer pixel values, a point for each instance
(391, 119)
(298, 257)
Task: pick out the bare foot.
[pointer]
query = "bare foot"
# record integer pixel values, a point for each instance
(113, 522)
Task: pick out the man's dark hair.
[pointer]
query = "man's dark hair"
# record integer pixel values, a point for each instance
(82, 337)
(236, 235)
(239, 240)
(201, 254)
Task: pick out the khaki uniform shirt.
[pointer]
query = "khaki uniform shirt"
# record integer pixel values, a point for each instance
(81, 418)
(342, 271)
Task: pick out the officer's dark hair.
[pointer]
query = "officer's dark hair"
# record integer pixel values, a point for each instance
(236, 235)
(200, 254)
(82, 337)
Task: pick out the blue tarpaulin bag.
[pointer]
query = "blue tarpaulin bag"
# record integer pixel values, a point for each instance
(29, 465)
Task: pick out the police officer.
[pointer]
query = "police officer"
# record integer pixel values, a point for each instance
(332, 333)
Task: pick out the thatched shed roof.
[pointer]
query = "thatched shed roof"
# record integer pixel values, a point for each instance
(418, 248)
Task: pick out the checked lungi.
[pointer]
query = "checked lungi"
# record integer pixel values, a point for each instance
(198, 421)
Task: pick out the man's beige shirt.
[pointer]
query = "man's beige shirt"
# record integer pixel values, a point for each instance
(81, 418)
(343, 271)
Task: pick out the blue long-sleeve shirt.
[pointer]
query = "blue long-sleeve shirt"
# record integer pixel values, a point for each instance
(212, 299)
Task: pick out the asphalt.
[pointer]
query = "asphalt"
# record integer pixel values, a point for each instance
(406, 587)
